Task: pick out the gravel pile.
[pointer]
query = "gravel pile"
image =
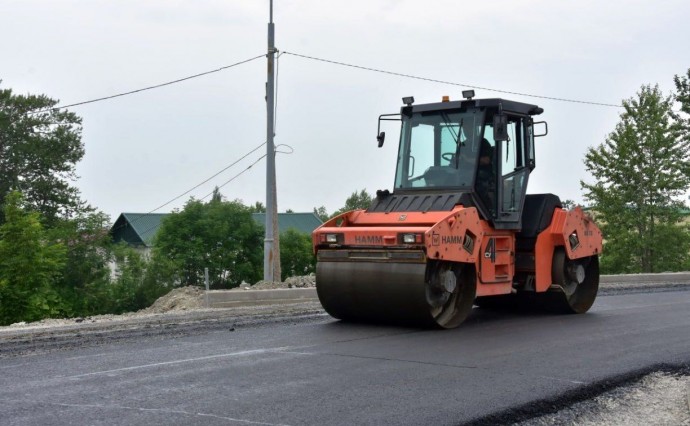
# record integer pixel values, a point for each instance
(301, 282)
(657, 399)
(179, 299)
(292, 282)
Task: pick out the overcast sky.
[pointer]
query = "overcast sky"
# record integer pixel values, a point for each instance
(145, 149)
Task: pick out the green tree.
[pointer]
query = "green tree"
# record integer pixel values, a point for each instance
(84, 280)
(29, 266)
(568, 204)
(322, 213)
(130, 290)
(682, 96)
(296, 254)
(356, 200)
(162, 274)
(39, 149)
(216, 196)
(219, 235)
(641, 172)
(258, 207)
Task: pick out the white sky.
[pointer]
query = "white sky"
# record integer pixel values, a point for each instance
(144, 149)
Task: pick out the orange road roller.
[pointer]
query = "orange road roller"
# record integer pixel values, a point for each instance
(458, 228)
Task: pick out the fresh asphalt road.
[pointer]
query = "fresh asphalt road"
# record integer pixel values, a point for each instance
(328, 372)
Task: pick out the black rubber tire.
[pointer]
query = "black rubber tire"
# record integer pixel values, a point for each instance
(459, 306)
(579, 300)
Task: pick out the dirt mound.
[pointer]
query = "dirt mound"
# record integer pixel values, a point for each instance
(179, 299)
(292, 282)
(267, 285)
(301, 282)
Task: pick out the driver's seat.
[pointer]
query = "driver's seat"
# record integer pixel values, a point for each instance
(440, 176)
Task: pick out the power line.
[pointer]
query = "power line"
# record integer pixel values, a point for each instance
(432, 80)
(216, 174)
(205, 181)
(150, 87)
(236, 176)
(330, 62)
(211, 193)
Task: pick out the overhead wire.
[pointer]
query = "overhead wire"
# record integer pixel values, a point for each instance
(205, 181)
(179, 80)
(211, 193)
(330, 61)
(432, 80)
(235, 177)
(240, 173)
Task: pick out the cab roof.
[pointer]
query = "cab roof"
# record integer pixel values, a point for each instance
(493, 103)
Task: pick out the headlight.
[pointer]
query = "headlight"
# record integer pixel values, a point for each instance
(332, 238)
(411, 238)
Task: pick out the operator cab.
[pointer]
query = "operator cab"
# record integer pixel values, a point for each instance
(480, 148)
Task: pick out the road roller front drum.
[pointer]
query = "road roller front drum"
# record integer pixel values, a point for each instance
(435, 293)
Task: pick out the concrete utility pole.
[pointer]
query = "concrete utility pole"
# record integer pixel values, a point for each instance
(271, 241)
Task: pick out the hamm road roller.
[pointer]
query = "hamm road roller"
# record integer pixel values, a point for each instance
(458, 229)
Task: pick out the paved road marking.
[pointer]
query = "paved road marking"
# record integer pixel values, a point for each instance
(34, 363)
(86, 356)
(577, 382)
(180, 361)
(283, 349)
(161, 410)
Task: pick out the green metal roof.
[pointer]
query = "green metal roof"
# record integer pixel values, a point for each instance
(139, 229)
(303, 222)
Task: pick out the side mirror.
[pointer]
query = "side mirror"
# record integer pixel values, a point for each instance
(381, 137)
(386, 117)
(501, 128)
(540, 131)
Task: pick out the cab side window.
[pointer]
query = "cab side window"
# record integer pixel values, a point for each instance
(512, 162)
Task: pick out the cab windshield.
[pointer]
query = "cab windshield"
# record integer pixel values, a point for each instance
(439, 149)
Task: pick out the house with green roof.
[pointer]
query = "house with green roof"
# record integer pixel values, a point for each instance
(139, 229)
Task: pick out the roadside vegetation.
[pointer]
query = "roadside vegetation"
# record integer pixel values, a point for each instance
(641, 176)
(57, 257)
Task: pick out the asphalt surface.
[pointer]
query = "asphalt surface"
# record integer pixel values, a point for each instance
(496, 368)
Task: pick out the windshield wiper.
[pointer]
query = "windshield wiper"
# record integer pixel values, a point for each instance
(456, 136)
(446, 121)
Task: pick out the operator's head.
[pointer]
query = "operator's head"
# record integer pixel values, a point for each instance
(485, 152)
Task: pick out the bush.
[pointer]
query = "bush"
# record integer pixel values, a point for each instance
(296, 254)
(30, 265)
